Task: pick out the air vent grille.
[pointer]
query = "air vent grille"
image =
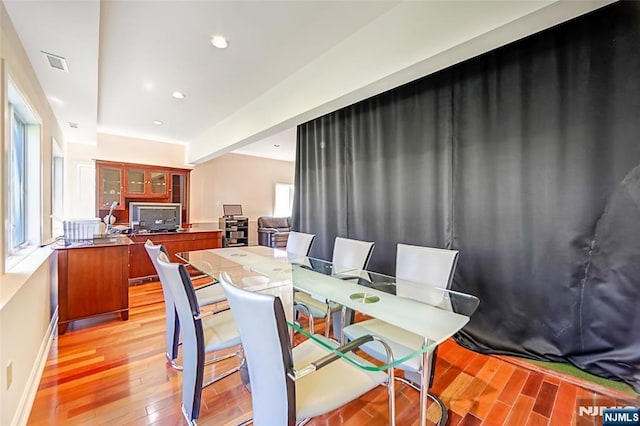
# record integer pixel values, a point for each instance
(56, 62)
(73, 125)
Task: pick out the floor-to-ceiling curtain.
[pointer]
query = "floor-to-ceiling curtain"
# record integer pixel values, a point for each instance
(526, 159)
(355, 162)
(320, 200)
(545, 132)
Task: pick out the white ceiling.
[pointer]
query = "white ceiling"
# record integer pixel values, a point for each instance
(281, 146)
(126, 58)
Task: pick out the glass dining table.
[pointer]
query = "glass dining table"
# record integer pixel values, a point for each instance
(428, 315)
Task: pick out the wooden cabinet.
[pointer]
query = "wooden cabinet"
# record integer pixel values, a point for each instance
(140, 266)
(127, 182)
(236, 231)
(93, 280)
(109, 187)
(145, 182)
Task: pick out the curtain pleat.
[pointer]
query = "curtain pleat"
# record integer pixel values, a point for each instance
(526, 160)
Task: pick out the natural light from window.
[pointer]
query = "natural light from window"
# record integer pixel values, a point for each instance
(57, 184)
(24, 206)
(284, 200)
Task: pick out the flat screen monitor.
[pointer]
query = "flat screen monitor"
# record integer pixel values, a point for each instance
(155, 216)
(232, 209)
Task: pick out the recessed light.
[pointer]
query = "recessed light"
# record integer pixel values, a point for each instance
(178, 95)
(276, 145)
(147, 85)
(220, 42)
(158, 122)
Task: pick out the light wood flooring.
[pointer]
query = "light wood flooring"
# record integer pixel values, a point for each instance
(112, 372)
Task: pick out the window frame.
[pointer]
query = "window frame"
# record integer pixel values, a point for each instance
(13, 246)
(19, 106)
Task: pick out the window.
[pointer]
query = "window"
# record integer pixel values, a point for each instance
(17, 179)
(24, 204)
(57, 186)
(284, 200)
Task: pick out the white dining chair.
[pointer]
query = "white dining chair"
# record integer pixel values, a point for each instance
(418, 269)
(201, 332)
(299, 243)
(291, 385)
(209, 295)
(348, 254)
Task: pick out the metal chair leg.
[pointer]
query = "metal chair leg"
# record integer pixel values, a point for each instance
(443, 408)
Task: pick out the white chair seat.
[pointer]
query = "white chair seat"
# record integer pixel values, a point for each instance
(323, 391)
(210, 295)
(318, 308)
(402, 342)
(220, 332)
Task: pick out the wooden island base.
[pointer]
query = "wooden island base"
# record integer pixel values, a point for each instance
(93, 279)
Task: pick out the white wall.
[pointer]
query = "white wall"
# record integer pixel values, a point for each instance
(237, 179)
(24, 290)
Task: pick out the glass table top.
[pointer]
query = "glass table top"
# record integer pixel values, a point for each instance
(427, 313)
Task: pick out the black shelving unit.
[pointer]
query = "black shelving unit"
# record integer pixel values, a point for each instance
(236, 230)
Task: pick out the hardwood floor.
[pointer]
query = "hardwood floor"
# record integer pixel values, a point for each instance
(108, 371)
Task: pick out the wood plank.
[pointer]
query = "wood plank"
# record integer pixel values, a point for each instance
(536, 419)
(532, 385)
(564, 409)
(513, 387)
(498, 414)
(488, 398)
(472, 393)
(470, 420)
(545, 399)
(453, 392)
(521, 410)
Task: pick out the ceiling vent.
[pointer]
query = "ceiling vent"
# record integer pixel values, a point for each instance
(73, 125)
(56, 62)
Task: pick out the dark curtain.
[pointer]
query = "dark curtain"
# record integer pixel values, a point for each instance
(545, 130)
(320, 200)
(526, 159)
(384, 206)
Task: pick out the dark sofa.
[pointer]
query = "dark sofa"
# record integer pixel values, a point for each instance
(273, 231)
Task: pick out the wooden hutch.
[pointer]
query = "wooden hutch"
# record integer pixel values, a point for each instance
(127, 182)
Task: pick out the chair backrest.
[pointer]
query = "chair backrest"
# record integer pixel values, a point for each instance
(172, 324)
(428, 266)
(299, 243)
(153, 250)
(265, 339)
(179, 284)
(351, 254)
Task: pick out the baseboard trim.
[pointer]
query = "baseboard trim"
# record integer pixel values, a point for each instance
(23, 411)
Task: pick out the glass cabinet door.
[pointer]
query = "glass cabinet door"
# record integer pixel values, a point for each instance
(135, 181)
(158, 183)
(111, 186)
(178, 192)
(178, 182)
